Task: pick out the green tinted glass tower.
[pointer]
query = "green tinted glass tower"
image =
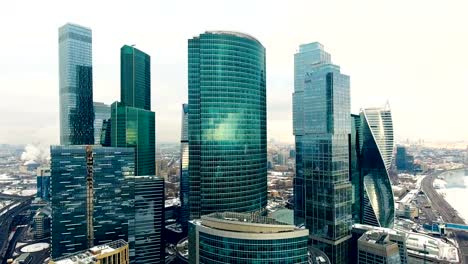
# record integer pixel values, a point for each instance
(226, 123)
(135, 78)
(135, 127)
(132, 121)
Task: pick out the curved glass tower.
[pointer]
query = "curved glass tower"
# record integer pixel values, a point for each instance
(376, 142)
(226, 123)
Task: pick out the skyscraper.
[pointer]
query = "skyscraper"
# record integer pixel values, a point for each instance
(135, 127)
(309, 56)
(184, 172)
(102, 112)
(242, 238)
(132, 121)
(322, 126)
(76, 85)
(376, 154)
(135, 78)
(401, 156)
(146, 219)
(226, 123)
(89, 196)
(355, 168)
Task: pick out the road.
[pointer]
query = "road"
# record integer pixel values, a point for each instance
(449, 215)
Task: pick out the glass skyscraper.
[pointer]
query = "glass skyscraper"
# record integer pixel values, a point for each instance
(135, 127)
(135, 78)
(184, 172)
(308, 56)
(322, 126)
(132, 121)
(76, 85)
(243, 238)
(226, 123)
(146, 219)
(376, 141)
(88, 196)
(102, 112)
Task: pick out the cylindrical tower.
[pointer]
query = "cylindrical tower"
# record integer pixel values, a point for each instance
(227, 123)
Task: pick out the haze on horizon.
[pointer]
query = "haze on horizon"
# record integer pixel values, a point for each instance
(410, 53)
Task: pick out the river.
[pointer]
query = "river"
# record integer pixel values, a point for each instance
(454, 185)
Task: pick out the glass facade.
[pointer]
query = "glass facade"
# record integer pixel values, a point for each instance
(135, 78)
(88, 196)
(322, 122)
(377, 151)
(135, 127)
(309, 56)
(75, 85)
(226, 123)
(101, 112)
(146, 219)
(225, 241)
(184, 172)
(355, 168)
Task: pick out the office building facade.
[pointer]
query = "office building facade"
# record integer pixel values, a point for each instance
(308, 56)
(102, 112)
(321, 119)
(43, 183)
(135, 78)
(76, 85)
(244, 238)
(89, 196)
(226, 123)
(115, 252)
(376, 248)
(378, 204)
(184, 170)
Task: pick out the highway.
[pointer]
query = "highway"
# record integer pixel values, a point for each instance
(449, 215)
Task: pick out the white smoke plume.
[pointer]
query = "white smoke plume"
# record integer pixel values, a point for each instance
(35, 153)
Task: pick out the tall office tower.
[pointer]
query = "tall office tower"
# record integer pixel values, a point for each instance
(226, 123)
(43, 183)
(76, 85)
(115, 252)
(89, 196)
(309, 56)
(132, 121)
(376, 153)
(244, 238)
(375, 247)
(184, 172)
(106, 133)
(146, 219)
(102, 112)
(135, 78)
(322, 122)
(401, 158)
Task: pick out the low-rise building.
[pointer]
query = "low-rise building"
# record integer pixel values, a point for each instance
(115, 252)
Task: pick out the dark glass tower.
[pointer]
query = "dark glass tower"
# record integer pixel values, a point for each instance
(226, 123)
(89, 196)
(135, 127)
(135, 78)
(322, 122)
(101, 114)
(76, 85)
(184, 172)
(355, 168)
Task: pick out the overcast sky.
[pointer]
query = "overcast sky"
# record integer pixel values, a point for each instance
(412, 53)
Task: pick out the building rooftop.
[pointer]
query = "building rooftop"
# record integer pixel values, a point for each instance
(91, 255)
(233, 33)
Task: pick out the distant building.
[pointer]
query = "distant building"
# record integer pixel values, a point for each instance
(102, 112)
(245, 238)
(89, 196)
(41, 223)
(43, 183)
(401, 158)
(76, 85)
(226, 123)
(375, 247)
(115, 252)
(184, 171)
(321, 125)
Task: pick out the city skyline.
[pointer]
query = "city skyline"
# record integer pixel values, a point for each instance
(409, 76)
